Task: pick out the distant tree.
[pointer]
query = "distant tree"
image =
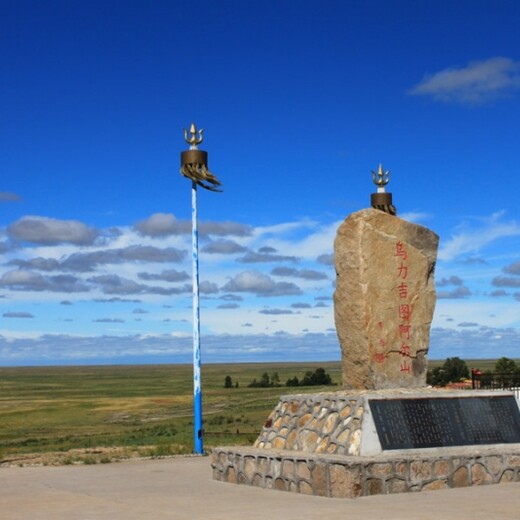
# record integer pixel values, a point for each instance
(435, 377)
(292, 382)
(228, 382)
(275, 379)
(236, 384)
(452, 371)
(263, 383)
(317, 378)
(455, 369)
(486, 379)
(508, 373)
(307, 379)
(264, 380)
(505, 365)
(320, 377)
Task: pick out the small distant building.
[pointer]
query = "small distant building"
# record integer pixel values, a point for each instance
(461, 385)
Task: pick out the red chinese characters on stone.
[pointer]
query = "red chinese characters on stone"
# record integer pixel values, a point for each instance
(404, 309)
(404, 331)
(405, 312)
(400, 250)
(402, 271)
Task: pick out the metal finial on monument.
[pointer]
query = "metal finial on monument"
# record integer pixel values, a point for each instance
(382, 200)
(381, 178)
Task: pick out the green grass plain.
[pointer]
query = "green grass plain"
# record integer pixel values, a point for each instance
(145, 409)
(57, 409)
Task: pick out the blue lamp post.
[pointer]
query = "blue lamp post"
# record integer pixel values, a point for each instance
(194, 166)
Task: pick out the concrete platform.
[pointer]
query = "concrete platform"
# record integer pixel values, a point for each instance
(182, 488)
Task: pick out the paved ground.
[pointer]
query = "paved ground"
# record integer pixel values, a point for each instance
(182, 488)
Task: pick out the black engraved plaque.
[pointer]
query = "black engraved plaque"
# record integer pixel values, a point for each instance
(445, 421)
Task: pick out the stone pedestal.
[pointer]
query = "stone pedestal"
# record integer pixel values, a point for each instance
(351, 477)
(329, 445)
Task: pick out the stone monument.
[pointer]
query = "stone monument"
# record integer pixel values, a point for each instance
(384, 300)
(385, 432)
(385, 295)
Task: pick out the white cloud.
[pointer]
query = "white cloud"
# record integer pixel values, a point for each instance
(19, 314)
(326, 259)
(513, 268)
(227, 306)
(169, 275)
(276, 312)
(164, 224)
(304, 274)
(283, 229)
(115, 284)
(471, 239)
(223, 247)
(22, 280)
(415, 216)
(493, 312)
(7, 196)
(130, 264)
(506, 281)
(474, 342)
(452, 280)
(260, 284)
(68, 349)
(252, 257)
(467, 342)
(49, 231)
(88, 261)
(317, 240)
(459, 292)
(475, 83)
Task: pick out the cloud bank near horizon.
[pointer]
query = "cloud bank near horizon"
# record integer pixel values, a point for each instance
(75, 293)
(470, 342)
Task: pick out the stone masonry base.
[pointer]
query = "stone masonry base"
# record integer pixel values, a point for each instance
(344, 476)
(326, 444)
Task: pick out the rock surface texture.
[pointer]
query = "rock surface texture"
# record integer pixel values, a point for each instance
(384, 300)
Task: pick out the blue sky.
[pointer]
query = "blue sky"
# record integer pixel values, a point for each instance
(299, 102)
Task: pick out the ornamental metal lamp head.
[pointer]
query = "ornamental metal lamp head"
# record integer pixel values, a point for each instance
(382, 200)
(194, 162)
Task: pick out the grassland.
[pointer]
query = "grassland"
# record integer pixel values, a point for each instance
(101, 413)
(107, 412)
